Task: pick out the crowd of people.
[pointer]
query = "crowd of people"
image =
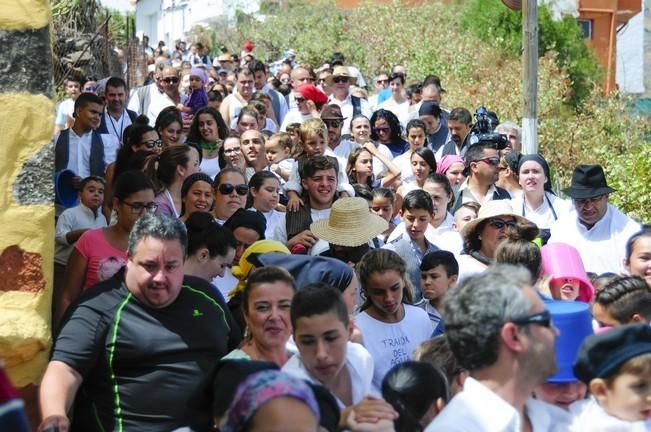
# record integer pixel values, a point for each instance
(265, 247)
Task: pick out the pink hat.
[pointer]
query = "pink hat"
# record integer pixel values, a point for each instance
(562, 261)
(446, 162)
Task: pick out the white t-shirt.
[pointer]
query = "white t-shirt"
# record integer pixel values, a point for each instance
(393, 343)
(360, 368)
(226, 284)
(294, 116)
(280, 232)
(64, 110)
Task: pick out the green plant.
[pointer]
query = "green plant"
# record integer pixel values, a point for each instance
(502, 27)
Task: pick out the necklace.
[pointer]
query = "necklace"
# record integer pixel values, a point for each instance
(210, 146)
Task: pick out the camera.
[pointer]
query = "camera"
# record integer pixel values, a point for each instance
(482, 131)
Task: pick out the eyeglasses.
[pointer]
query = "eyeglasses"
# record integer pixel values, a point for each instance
(137, 208)
(384, 81)
(233, 150)
(150, 144)
(171, 80)
(227, 189)
(493, 160)
(299, 99)
(382, 130)
(332, 123)
(585, 201)
(499, 223)
(543, 318)
(340, 79)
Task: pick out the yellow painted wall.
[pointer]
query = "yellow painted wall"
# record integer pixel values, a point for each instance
(26, 126)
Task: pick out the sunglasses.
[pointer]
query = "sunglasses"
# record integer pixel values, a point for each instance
(585, 201)
(227, 189)
(499, 223)
(493, 160)
(90, 89)
(150, 144)
(340, 79)
(382, 130)
(334, 123)
(137, 208)
(171, 80)
(386, 81)
(299, 99)
(543, 318)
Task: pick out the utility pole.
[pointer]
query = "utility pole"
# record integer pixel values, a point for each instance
(529, 76)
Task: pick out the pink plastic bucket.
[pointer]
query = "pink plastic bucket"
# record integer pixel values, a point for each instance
(562, 261)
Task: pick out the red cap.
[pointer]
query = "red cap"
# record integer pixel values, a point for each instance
(248, 46)
(312, 93)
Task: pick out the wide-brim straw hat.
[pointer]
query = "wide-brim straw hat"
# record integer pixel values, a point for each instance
(489, 210)
(341, 71)
(350, 224)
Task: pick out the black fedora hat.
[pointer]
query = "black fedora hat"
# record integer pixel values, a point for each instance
(588, 181)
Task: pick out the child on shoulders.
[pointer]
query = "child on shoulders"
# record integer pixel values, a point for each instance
(314, 138)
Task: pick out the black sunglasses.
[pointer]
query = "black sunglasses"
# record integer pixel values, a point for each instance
(543, 318)
(492, 160)
(499, 223)
(299, 99)
(150, 144)
(171, 80)
(227, 189)
(340, 79)
(334, 123)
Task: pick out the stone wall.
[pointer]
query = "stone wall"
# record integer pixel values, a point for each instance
(26, 197)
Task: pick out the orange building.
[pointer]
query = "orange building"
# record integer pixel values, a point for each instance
(600, 20)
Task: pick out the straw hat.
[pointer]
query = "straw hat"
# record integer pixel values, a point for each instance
(341, 71)
(489, 210)
(350, 223)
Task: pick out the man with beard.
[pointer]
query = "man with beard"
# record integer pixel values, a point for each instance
(459, 125)
(141, 97)
(598, 230)
(500, 331)
(116, 116)
(131, 351)
(170, 77)
(482, 164)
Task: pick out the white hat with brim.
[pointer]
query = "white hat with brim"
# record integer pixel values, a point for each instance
(493, 208)
(341, 71)
(350, 224)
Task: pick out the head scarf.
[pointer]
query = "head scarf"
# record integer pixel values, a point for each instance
(262, 387)
(543, 163)
(310, 269)
(244, 267)
(447, 161)
(198, 72)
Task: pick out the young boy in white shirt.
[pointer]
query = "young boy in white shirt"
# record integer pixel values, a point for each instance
(322, 329)
(439, 271)
(616, 366)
